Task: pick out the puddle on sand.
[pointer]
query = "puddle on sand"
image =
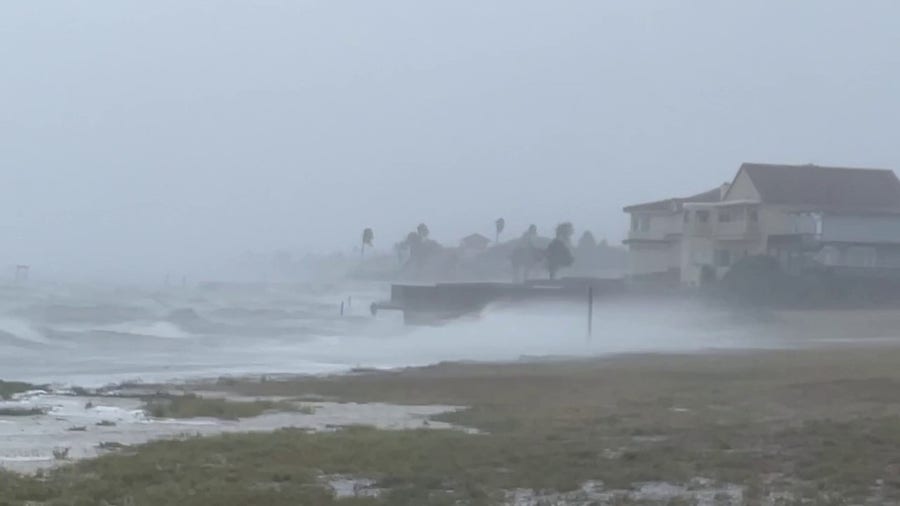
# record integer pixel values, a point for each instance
(77, 427)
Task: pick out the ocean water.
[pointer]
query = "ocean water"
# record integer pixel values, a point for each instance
(93, 336)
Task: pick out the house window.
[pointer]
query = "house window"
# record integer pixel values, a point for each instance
(724, 215)
(753, 215)
(645, 223)
(634, 223)
(723, 258)
(687, 216)
(703, 216)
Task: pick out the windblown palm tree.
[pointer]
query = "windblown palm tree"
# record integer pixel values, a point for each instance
(558, 254)
(500, 225)
(565, 231)
(367, 237)
(423, 231)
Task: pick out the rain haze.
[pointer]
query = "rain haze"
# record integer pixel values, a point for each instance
(142, 138)
(410, 252)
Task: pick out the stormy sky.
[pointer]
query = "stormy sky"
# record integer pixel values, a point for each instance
(174, 135)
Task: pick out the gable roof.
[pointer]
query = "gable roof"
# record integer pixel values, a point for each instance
(713, 195)
(825, 188)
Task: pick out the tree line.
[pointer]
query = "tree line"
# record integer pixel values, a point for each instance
(526, 254)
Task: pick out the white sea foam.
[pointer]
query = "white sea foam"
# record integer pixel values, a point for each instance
(21, 330)
(160, 329)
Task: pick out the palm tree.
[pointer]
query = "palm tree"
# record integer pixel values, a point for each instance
(558, 254)
(423, 231)
(500, 224)
(367, 237)
(565, 231)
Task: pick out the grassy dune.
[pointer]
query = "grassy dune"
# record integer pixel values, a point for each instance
(815, 425)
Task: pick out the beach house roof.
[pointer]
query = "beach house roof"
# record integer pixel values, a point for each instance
(673, 204)
(813, 186)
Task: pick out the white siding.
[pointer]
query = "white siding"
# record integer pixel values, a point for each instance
(843, 228)
(648, 259)
(775, 220)
(696, 252)
(655, 226)
(742, 188)
(861, 229)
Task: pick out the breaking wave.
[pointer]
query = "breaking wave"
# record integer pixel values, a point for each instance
(161, 329)
(15, 331)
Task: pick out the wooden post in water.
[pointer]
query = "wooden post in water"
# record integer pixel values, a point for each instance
(342, 308)
(590, 322)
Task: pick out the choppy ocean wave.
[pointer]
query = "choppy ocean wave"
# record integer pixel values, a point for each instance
(16, 331)
(91, 337)
(160, 329)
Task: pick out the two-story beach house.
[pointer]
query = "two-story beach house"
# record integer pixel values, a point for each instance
(656, 237)
(839, 217)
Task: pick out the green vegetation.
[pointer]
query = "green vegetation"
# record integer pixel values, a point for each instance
(10, 388)
(306, 409)
(760, 281)
(194, 406)
(21, 411)
(823, 426)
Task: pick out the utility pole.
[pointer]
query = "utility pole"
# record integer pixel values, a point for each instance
(590, 319)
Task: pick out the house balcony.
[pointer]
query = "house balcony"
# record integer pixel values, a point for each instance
(727, 231)
(699, 229)
(648, 236)
(737, 230)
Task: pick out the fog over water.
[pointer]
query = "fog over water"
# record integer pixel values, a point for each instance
(141, 138)
(92, 337)
(147, 147)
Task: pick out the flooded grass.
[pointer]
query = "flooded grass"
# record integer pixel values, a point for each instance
(816, 426)
(195, 406)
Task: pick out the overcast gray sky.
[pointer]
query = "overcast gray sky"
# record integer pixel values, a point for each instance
(172, 134)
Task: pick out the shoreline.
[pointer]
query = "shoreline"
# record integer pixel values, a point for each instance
(816, 423)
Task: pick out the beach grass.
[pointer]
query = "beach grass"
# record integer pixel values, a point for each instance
(820, 426)
(195, 406)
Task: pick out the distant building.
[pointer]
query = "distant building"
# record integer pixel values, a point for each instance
(837, 217)
(474, 242)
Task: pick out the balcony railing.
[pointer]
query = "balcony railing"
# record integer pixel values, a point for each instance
(648, 235)
(741, 229)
